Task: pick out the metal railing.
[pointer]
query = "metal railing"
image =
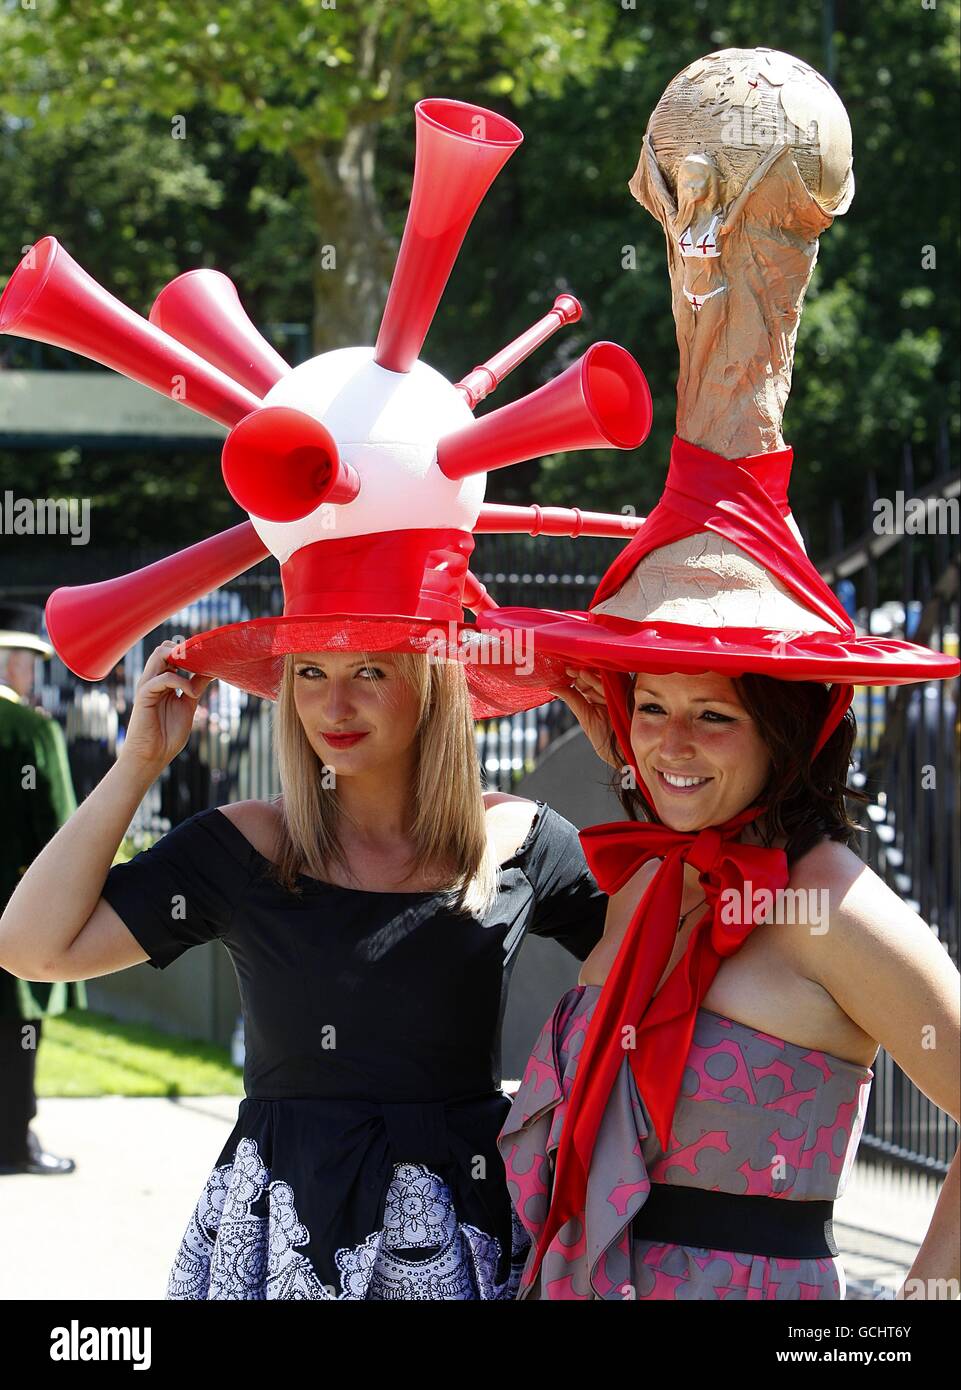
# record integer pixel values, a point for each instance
(539, 572)
(903, 584)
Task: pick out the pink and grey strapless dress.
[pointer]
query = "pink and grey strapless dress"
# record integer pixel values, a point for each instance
(757, 1117)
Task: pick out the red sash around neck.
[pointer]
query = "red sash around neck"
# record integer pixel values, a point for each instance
(655, 1029)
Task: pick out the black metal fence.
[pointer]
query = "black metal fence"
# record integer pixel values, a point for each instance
(907, 758)
(540, 572)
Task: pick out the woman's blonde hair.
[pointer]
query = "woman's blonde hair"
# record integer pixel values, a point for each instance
(449, 829)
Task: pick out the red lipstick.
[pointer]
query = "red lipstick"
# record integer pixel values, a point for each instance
(343, 740)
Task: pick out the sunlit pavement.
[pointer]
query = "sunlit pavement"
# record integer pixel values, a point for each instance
(879, 1223)
(111, 1229)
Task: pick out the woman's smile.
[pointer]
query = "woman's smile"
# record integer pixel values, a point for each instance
(675, 782)
(344, 740)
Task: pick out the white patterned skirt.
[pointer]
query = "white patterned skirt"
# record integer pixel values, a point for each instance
(301, 1228)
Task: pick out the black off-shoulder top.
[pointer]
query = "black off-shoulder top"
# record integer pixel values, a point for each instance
(372, 1020)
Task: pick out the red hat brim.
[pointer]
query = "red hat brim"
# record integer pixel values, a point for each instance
(250, 655)
(617, 644)
(739, 501)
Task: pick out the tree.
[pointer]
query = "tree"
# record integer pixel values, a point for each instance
(136, 209)
(306, 78)
(878, 346)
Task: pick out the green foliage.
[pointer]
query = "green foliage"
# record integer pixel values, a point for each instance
(291, 73)
(285, 105)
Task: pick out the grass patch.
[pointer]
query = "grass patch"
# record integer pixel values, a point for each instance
(83, 1053)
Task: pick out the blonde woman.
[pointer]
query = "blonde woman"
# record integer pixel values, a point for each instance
(372, 913)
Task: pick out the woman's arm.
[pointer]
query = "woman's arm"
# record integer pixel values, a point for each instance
(889, 973)
(584, 697)
(58, 893)
(930, 1275)
(60, 890)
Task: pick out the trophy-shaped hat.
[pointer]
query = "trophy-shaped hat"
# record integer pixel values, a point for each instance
(716, 579)
(745, 162)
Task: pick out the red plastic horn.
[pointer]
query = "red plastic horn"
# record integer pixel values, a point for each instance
(51, 299)
(601, 401)
(502, 519)
(476, 596)
(460, 150)
(92, 626)
(489, 375)
(279, 464)
(202, 310)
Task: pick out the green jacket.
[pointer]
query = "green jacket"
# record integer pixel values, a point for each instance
(36, 798)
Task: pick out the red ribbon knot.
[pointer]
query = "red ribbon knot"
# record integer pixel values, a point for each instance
(633, 1003)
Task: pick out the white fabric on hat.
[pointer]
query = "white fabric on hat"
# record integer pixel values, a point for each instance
(386, 426)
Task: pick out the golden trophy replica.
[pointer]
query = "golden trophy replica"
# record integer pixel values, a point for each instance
(746, 160)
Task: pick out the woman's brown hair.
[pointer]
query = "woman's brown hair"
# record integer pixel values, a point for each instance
(804, 799)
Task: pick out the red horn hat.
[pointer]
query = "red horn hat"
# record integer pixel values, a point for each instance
(362, 470)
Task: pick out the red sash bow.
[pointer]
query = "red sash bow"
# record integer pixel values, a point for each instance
(655, 1028)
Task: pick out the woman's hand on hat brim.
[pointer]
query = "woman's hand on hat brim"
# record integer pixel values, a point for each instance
(164, 706)
(584, 697)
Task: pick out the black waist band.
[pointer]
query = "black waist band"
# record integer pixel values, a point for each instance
(774, 1226)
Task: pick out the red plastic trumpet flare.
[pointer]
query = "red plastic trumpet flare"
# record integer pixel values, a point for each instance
(460, 150)
(202, 310)
(601, 401)
(52, 299)
(279, 464)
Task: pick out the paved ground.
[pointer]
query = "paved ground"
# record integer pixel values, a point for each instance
(110, 1230)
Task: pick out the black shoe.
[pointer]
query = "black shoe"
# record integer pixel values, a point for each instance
(38, 1161)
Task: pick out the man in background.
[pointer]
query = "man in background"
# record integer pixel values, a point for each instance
(36, 798)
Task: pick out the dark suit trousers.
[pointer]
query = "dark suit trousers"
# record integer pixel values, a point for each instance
(18, 1100)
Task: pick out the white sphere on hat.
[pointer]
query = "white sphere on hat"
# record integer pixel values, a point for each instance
(386, 426)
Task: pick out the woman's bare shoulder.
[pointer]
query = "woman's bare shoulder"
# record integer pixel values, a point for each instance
(636, 886)
(861, 916)
(828, 864)
(883, 967)
(492, 799)
(257, 821)
(509, 819)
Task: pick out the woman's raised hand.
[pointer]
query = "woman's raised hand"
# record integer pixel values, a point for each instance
(585, 699)
(162, 716)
